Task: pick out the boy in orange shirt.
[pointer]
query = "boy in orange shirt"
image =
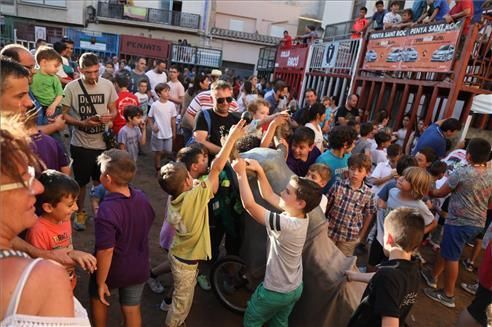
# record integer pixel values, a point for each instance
(53, 230)
(359, 24)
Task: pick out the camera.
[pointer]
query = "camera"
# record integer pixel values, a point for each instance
(247, 116)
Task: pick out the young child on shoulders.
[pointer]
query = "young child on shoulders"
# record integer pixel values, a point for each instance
(188, 213)
(162, 118)
(316, 116)
(470, 189)
(410, 188)
(274, 299)
(341, 141)
(302, 151)
(53, 229)
(320, 174)
(260, 108)
(122, 227)
(383, 140)
(143, 96)
(351, 206)
(392, 290)
(133, 133)
(46, 85)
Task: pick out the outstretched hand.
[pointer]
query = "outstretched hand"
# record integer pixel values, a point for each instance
(237, 130)
(239, 166)
(253, 165)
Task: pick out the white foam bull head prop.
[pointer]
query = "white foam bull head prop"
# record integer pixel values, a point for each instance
(328, 299)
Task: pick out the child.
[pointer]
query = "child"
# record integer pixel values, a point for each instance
(407, 19)
(133, 133)
(410, 188)
(385, 171)
(46, 86)
(53, 229)
(383, 140)
(425, 157)
(393, 289)
(363, 144)
(471, 193)
(302, 151)
(328, 122)
(274, 299)
(260, 109)
(341, 140)
(320, 174)
(359, 24)
(351, 206)
(122, 230)
(143, 97)
(162, 118)
(438, 170)
(188, 213)
(125, 98)
(392, 19)
(316, 116)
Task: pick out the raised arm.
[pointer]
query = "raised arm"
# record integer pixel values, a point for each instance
(266, 190)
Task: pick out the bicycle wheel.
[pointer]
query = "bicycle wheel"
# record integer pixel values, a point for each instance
(230, 283)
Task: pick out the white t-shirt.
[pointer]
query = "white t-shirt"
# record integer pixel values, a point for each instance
(383, 169)
(323, 203)
(391, 18)
(378, 156)
(162, 113)
(155, 79)
(318, 136)
(61, 73)
(394, 202)
(177, 90)
(286, 238)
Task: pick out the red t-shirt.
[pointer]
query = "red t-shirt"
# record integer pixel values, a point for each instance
(485, 270)
(459, 7)
(125, 98)
(287, 42)
(358, 26)
(46, 235)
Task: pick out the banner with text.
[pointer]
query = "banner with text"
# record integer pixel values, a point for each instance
(291, 58)
(423, 48)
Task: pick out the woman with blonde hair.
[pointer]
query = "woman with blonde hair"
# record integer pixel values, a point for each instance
(34, 292)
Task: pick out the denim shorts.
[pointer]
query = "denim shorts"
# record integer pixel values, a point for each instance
(128, 296)
(454, 239)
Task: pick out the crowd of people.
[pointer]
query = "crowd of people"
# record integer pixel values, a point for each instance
(385, 191)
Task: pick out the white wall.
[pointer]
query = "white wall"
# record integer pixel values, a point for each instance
(72, 14)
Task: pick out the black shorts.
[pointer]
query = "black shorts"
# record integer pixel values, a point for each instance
(85, 165)
(376, 254)
(478, 307)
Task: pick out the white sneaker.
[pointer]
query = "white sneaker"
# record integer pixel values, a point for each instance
(155, 285)
(164, 306)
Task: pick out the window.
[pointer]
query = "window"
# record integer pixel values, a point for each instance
(6, 2)
(277, 31)
(357, 5)
(54, 3)
(236, 25)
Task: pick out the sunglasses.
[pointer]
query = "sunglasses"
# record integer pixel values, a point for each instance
(222, 100)
(27, 184)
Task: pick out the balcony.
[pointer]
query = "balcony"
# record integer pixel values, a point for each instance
(115, 12)
(338, 31)
(189, 55)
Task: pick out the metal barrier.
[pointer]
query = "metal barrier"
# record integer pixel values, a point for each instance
(185, 54)
(150, 15)
(332, 77)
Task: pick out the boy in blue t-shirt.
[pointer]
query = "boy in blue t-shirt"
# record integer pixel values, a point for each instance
(341, 140)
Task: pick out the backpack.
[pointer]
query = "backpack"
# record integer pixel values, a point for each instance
(208, 119)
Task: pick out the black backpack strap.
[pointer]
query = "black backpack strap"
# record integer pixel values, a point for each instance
(82, 86)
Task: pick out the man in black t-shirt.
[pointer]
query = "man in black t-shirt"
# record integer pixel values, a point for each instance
(349, 111)
(302, 116)
(393, 289)
(220, 118)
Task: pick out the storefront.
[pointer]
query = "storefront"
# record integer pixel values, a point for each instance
(132, 47)
(26, 32)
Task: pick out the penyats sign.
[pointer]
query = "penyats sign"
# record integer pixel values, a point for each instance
(146, 47)
(292, 58)
(429, 48)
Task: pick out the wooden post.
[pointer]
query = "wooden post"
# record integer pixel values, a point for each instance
(413, 114)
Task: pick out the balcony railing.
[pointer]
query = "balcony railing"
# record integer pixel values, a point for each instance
(148, 15)
(338, 31)
(185, 54)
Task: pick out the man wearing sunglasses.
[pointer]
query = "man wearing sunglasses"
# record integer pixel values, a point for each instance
(220, 118)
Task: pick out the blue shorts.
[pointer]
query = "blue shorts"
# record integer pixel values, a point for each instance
(128, 296)
(454, 239)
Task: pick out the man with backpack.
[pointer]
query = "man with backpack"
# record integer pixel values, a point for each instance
(212, 124)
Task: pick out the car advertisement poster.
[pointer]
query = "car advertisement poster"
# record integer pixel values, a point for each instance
(429, 48)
